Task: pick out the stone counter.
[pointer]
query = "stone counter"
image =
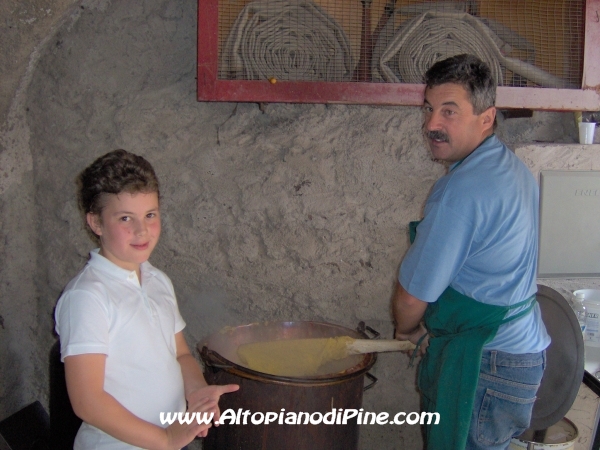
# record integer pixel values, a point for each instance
(584, 414)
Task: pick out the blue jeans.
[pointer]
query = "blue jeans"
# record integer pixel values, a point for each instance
(504, 398)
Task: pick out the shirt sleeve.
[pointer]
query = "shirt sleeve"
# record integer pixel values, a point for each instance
(179, 323)
(82, 322)
(441, 247)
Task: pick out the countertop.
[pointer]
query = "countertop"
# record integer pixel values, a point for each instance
(584, 414)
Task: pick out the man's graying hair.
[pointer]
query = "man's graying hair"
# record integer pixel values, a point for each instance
(469, 72)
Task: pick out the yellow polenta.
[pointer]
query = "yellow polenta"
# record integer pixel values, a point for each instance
(293, 357)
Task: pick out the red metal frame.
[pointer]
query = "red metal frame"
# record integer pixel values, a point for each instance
(210, 88)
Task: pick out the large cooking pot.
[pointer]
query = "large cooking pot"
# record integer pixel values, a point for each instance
(338, 385)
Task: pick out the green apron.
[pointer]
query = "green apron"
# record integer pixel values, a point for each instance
(459, 327)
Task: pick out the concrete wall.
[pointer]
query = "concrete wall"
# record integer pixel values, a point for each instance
(277, 212)
(27, 25)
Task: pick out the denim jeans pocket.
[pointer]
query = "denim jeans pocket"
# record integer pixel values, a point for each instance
(503, 416)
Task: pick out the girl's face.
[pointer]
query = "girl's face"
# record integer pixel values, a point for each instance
(128, 228)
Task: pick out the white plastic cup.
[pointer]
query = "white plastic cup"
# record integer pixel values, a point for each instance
(586, 132)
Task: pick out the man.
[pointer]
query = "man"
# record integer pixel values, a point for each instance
(470, 274)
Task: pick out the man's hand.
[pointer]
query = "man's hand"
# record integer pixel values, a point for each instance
(414, 337)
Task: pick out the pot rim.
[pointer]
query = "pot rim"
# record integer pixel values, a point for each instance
(546, 445)
(215, 359)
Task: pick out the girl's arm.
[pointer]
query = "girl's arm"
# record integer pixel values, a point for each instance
(196, 388)
(85, 384)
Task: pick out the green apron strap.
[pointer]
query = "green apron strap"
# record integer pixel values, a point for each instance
(414, 353)
(532, 302)
(412, 230)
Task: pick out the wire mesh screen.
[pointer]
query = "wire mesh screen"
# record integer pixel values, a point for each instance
(533, 43)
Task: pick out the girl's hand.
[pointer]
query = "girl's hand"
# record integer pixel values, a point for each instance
(212, 393)
(181, 434)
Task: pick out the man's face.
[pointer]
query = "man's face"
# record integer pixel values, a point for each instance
(451, 128)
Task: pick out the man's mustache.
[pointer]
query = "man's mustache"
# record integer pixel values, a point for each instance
(437, 135)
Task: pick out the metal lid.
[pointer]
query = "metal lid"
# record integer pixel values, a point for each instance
(564, 364)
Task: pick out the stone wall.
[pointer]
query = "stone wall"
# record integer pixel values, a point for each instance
(270, 212)
(27, 26)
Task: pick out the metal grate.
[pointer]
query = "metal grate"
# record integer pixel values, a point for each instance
(533, 43)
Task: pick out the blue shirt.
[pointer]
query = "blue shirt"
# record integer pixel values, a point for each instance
(479, 235)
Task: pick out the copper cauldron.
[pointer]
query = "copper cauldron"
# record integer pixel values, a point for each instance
(337, 385)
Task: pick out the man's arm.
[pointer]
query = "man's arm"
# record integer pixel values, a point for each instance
(408, 312)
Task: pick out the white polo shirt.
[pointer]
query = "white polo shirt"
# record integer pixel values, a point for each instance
(104, 309)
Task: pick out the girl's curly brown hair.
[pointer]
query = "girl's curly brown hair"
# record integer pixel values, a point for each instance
(115, 172)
